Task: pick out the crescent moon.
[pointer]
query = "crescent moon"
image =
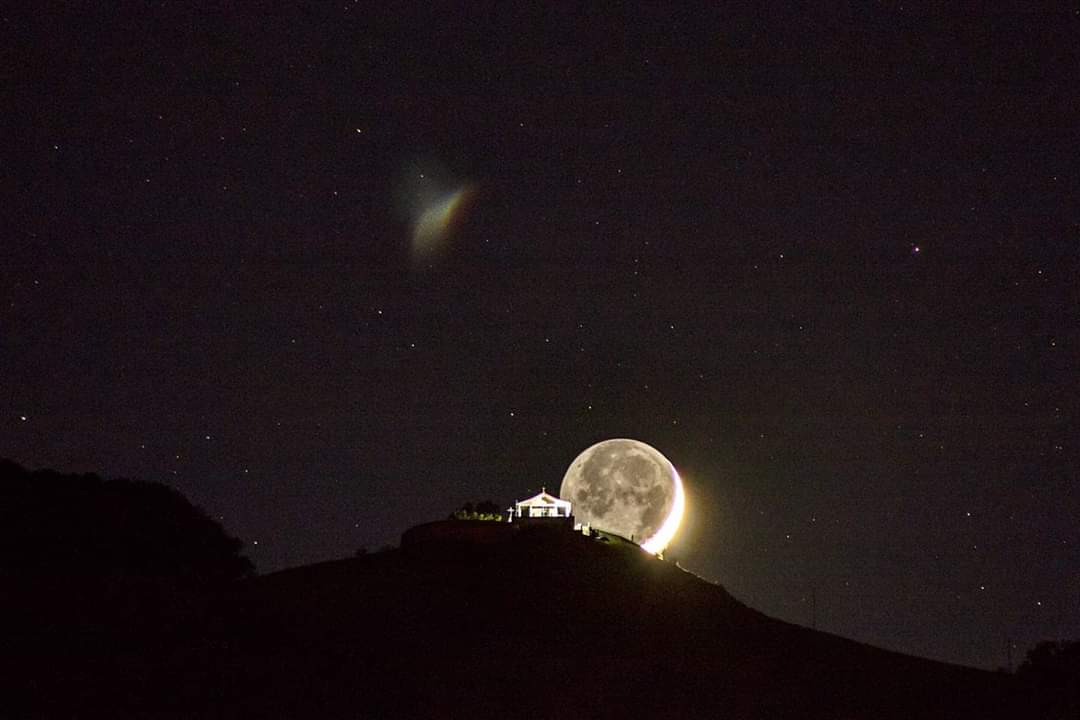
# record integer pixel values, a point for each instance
(663, 537)
(628, 488)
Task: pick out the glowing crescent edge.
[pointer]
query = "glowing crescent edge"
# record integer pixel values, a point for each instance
(664, 535)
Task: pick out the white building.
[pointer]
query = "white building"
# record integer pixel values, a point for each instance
(543, 505)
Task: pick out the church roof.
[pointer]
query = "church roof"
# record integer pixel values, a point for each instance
(543, 498)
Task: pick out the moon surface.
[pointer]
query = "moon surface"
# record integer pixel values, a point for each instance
(628, 488)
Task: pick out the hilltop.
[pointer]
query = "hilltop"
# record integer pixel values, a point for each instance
(552, 624)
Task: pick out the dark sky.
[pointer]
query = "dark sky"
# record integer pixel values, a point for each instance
(827, 261)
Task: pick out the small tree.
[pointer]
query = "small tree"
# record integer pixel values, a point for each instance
(485, 510)
(1052, 670)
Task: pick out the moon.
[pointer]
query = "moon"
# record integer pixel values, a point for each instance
(628, 488)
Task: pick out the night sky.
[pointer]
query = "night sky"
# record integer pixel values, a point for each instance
(826, 260)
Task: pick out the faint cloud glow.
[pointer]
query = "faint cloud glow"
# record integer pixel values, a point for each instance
(435, 222)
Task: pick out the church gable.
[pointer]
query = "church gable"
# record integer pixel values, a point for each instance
(542, 505)
(543, 498)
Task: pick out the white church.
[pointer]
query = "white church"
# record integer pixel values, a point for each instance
(543, 507)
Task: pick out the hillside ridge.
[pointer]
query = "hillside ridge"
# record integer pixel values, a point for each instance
(417, 630)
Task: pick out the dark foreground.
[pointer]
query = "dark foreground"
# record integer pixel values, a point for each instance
(541, 625)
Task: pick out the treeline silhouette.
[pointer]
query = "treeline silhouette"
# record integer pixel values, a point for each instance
(1051, 671)
(109, 594)
(84, 525)
(483, 510)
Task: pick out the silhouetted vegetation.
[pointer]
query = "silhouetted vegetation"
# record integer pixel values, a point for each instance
(109, 594)
(56, 524)
(1052, 671)
(484, 510)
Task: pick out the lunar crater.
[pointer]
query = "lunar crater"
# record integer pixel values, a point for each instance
(628, 488)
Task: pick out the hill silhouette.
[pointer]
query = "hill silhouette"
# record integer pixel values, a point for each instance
(120, 599)
(551, 624)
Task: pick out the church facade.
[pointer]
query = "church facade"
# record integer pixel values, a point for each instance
(542, 508)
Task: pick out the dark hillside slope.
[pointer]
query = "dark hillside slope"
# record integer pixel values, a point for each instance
(556, 625)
